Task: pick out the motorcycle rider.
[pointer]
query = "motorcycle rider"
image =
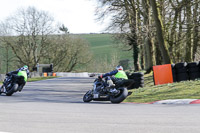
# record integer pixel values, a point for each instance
(23, 71)
(114, 76)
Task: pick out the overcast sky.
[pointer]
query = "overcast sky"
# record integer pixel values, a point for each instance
(77, 15)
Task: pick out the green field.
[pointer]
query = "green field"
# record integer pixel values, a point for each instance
(104, 46)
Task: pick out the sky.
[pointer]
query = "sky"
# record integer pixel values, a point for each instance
(77, 15)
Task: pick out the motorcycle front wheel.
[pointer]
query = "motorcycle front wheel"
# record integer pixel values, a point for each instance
(88, 97)
(119, 97)
(1, 89)
(12, 90)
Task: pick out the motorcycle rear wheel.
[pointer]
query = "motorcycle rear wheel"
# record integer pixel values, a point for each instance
(120, 97)
(87, 97)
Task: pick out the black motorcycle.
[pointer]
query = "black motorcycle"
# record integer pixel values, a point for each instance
(101, 92)
(11, 84)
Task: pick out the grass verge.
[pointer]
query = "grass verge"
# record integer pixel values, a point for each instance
(35, 79)
(40, 78)
(151, 93)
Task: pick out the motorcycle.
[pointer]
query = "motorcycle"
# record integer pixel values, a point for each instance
(11, 84)
(101, 92)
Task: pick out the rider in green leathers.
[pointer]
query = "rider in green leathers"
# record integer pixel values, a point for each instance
(23, 71)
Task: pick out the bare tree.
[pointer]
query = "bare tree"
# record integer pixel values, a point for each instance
(7, 56)
(148, 55)
(30, 29)
(33, 39)
(64, 29)
(124, 20)
(196, 39)
(189, 54)
(102, 64)
(170, 28)
(159, 29)
(68, 53)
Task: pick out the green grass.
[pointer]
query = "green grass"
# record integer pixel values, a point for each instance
(151, 93)
(103, 45)
(35, 79)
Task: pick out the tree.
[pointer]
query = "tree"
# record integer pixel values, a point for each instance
(159, 29)
(124, 20)
(188, 57)
(64, 29)
(30, 29)
(34, 38)
(132, 37)
(7, 56)
(68, 53)
(169, 29)
(147, 41)
(195, 28)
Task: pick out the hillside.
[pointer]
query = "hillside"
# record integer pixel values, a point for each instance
(103, 46)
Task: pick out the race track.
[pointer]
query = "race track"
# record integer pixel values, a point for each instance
(55, 106)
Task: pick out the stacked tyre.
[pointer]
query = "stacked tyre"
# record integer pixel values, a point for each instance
(193, 70)
(173, 72)
(181, 72)
(139, 80)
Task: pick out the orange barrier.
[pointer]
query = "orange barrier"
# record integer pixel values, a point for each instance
(45, 74)
(54, 74)
(162, 74)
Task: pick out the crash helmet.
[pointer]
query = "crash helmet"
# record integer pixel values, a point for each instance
(24, 68)
(119, 67)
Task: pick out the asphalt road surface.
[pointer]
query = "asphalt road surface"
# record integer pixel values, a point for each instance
(55, 106)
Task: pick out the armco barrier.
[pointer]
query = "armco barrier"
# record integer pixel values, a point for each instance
(2, 77)
(34, 74)
(61, 74)
(66, 74)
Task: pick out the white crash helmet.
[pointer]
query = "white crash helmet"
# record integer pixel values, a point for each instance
(119, 67)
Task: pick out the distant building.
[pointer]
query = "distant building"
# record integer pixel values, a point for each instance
(44, 68)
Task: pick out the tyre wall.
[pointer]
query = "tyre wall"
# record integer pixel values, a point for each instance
(193, 70)
(181, 72)
(138, 80)
(185, 71)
